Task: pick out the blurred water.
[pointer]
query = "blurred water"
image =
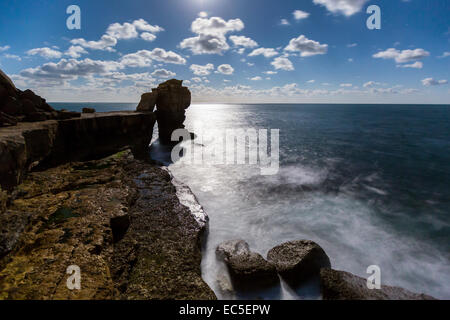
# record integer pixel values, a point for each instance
(370, 184)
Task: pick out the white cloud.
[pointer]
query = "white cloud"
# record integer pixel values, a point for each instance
(371, 84)
(211, 33)
(162, 55)
(243, 41)
(415, 65)
(138, 59)
(147, 36)
(306, 47)
(12, 56)
(75, 51)
(402, 56)
(45, 53)
(445, 55)
(225, 69)
(346, 85)
(282, 63)
(432, 82)
(143, 25)
(122, 31)
(130, 30)
(345, 7)
(105, 43)
(200, 70)
(216, 26)
(205, 44)
(203, 14)
(352, 45)
(163, 73)
(4, 48)
(197, 79)
(266, 52)
(270, 72)
(70, 69)
(299, 14)
(284, 22)
(258, 78)
(143, 58)
(310, 81)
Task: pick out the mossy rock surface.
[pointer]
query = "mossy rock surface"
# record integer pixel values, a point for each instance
(62, 216)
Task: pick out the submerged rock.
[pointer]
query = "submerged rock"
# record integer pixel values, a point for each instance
(171, 100)
(248, 270)
(297, 260)
(341, 285)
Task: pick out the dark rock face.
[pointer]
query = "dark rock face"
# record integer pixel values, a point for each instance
(24, 106)
(171, 100)
(341, 285)
(50, 143)
(297, 260)
(248, 270)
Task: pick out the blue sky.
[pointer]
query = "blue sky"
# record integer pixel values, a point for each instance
(230, 50)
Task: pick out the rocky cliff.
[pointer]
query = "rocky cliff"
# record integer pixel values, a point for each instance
(77, 189)
(18, 106)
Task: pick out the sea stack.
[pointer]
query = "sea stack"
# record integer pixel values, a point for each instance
(171, 100)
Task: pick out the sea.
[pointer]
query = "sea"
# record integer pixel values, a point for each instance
(369, 183)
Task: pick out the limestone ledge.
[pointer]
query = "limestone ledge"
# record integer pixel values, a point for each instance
(53, 142)
(117, 218)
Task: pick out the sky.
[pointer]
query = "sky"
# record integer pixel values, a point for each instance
(230, 51)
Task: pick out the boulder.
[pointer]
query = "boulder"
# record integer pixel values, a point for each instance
(248, 270)
(341, 285)
(148, 101)
(298, 260)
(88, 110)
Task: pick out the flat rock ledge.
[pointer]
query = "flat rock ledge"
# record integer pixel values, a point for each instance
(117, 218)
(341, 285)
(53, 142)
(248, 270)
